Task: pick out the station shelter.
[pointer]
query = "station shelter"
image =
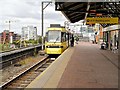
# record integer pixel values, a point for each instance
(107, 14)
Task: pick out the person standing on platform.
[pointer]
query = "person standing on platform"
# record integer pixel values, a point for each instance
(72, 41)
(117, 44)
(111, 46)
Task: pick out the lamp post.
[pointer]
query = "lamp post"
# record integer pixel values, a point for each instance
(42, 25)
(9, 22)
(43, 8)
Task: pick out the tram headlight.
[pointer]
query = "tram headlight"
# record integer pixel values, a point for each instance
(54, 46)
(60, 46)
(47, 46)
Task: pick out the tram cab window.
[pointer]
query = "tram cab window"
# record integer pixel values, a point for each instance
(63, 37)
(54, 36)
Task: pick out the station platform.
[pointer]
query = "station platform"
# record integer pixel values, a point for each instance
(83, 66)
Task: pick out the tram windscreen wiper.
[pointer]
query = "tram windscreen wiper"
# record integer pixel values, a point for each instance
(56, 39)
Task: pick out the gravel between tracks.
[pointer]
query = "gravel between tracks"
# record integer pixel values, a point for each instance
(11, 71)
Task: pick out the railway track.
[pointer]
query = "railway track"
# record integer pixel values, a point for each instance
(10, 57)
(25, 78)
(13, 60)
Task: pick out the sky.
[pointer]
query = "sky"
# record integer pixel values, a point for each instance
(26, 13)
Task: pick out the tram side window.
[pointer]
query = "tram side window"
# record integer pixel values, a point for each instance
(46, 37)
(63, 35)
(67, 35)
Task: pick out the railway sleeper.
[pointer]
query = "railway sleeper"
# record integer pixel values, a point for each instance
(13, 85)
(23, 85)
(37, 73)
(41, 69)
(34, 74)
(48, 63)
(10, 88)
(32, 78)
(25, 77)
(31, 73)
(45, 66)
(27, 80)
(23, 81)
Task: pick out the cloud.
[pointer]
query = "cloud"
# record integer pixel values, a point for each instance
(34, 3)
(27, 12)
(18, 8)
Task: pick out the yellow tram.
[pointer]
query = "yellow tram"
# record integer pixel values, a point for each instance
(57, 39)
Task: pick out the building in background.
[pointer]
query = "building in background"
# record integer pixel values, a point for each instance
(0, 38)
(8, 37)
(16, 37)
(91, 33)
(29, 33)
(5, 37)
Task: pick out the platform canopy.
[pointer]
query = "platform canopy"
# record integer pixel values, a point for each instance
(76, 11)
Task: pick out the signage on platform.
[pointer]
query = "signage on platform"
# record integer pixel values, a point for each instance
(102, 20)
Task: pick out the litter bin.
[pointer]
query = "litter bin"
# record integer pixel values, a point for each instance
(103, 46)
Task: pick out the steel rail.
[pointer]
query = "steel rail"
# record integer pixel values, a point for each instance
(3, 86)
